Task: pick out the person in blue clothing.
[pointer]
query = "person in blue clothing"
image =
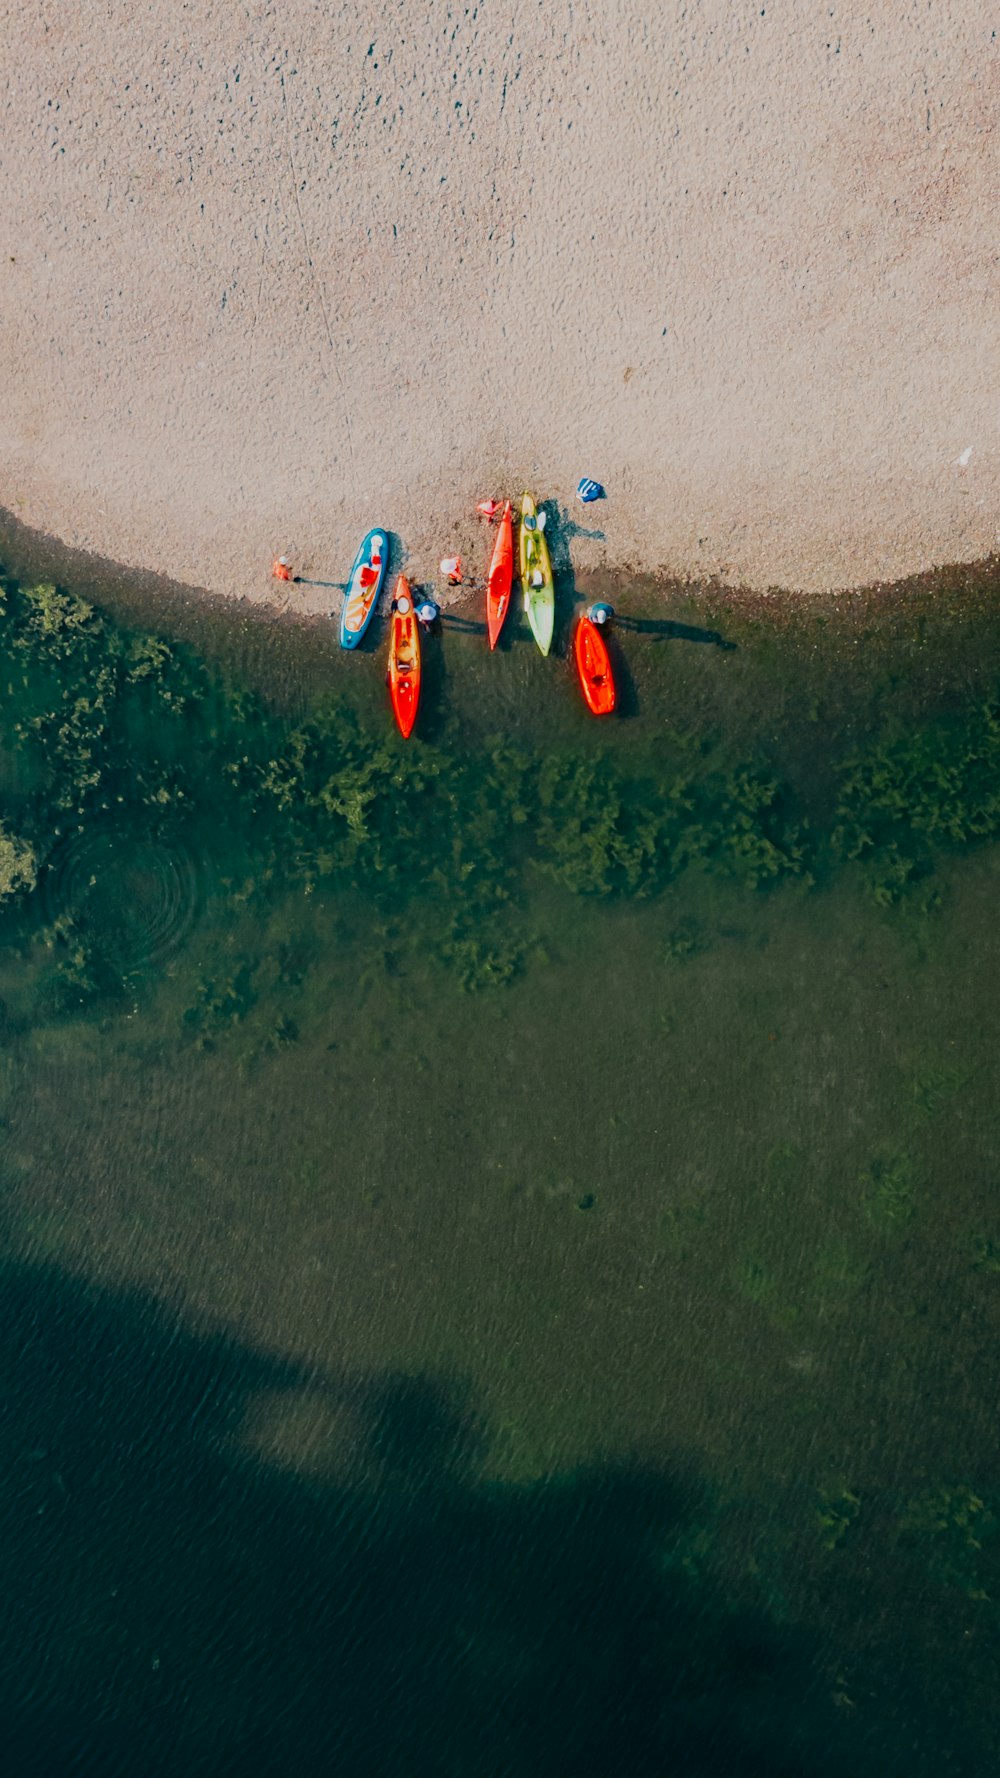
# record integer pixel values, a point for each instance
(601, 612)
(427, 613)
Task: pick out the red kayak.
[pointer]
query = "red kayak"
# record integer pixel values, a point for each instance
(404, 658)
(593, 664)
(501, 577)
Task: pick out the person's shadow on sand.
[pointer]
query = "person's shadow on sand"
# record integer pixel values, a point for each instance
(560, 529)
(176, 1602)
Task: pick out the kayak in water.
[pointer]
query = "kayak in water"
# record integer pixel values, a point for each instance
(404, 658)
(593, 665)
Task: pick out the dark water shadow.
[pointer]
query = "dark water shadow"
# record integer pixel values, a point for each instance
(665, 629)
(469, 626)
(432, 715)
(175, 1601)
(509, 634)
(627, 701)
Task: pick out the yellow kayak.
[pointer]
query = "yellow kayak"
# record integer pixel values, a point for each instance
(536, 575)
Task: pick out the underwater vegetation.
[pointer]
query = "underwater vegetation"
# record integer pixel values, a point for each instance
(955, 1531)
(18, 870)
(889, 1192)
(915, 794)
(838, 1509)
(101, 723)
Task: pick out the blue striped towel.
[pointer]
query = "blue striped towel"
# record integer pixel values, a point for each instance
(588, 490)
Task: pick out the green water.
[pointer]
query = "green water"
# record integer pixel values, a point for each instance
(502, 1249)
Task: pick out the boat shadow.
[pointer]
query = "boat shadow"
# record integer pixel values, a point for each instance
(432, 715)
(627, 703)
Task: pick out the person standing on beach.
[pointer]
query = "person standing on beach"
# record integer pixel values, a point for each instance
(280, 569)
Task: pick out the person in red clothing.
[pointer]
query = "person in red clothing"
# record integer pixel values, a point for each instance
(280, 569)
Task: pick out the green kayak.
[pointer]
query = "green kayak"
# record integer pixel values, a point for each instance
(536, 575)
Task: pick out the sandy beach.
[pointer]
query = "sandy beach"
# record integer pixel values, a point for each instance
(271, 274)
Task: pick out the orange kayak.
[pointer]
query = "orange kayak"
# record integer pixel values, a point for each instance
(593, 663)
(404, 658)
(501, 577)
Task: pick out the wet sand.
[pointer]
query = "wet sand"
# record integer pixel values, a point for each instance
(271, 275)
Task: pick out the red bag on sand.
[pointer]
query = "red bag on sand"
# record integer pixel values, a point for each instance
(488, 508)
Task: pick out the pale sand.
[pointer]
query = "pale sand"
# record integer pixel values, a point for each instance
(271, 274)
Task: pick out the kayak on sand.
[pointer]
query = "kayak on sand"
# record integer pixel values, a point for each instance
(404, 658)
(536, 574)
(363, 588)
(501, 577)
(593, 665)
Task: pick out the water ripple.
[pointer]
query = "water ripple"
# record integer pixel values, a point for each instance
(133, 898)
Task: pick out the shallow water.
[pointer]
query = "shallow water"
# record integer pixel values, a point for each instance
(501, 1239)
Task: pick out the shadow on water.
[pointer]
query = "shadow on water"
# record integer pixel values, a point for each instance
(432, 715)
(176, 1602)
(627, 703)
(467, 625)
(666, 630)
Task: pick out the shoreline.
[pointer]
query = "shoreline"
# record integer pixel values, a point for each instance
(153, 600)
(265, 288)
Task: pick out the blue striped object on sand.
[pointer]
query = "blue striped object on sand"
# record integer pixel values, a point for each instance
(588, 490)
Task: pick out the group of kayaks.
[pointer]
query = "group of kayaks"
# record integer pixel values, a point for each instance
(590, 651)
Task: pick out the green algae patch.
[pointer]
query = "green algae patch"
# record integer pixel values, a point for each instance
(953, 1529)
(18, 866)
(101, 724)
(890, 1191)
